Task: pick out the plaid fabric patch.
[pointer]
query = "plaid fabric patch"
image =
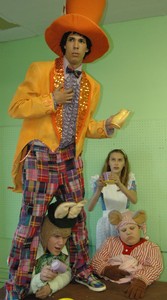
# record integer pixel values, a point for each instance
(45, 175)
(79, 247)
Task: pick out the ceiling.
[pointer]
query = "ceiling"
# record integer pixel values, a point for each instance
(21, 19)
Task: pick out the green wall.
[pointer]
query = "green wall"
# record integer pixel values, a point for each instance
(133, 75)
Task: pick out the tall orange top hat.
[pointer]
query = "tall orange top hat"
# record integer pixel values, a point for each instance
(81, 16)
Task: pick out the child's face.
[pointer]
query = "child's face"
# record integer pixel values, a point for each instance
(130, 234)
(56, 244)
(116, 162)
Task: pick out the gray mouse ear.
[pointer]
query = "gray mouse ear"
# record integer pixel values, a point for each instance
(140, 217)
(114, 217)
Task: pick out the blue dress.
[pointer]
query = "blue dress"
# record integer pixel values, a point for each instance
(111, 198)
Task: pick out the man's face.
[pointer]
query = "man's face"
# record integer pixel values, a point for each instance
(56, 244)
(130, 234)
(75, 49)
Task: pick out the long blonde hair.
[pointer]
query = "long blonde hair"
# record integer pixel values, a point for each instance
(126, 169)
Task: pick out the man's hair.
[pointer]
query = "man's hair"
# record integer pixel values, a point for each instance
(64, 40)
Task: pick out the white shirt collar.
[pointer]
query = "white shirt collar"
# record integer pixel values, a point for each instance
(64, 250)
(65, 64)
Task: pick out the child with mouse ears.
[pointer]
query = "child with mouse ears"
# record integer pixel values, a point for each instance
(129, 257)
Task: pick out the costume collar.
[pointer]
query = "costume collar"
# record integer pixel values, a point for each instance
(65, 64)
(64, 250)
(128, 249)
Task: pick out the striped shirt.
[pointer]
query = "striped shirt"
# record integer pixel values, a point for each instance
(147, 253)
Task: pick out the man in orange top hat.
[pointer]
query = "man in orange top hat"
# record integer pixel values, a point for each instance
(57, 100)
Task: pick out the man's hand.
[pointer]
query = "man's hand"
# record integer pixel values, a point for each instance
(62, 96)
(114, 273)
(108, 123)
(117, 120)
(114, 177)
(100, 183)
(43, 292)
(136, 289)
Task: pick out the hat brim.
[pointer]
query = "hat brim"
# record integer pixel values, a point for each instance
(82, 25)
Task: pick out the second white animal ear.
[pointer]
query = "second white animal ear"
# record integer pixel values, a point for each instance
(76, 209)
(63, 209)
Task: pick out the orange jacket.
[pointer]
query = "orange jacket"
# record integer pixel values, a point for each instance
(34, 104)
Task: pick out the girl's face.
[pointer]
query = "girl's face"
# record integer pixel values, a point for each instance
(56, 244)
(130, 234)
(116, 162)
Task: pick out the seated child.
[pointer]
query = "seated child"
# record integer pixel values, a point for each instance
(48, 277)
(129, 257)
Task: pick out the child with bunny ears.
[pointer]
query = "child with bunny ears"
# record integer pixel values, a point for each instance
(52, 271)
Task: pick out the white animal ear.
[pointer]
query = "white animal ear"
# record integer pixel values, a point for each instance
(75, 210)
(114, 217)
(63, 209)
(140, 217)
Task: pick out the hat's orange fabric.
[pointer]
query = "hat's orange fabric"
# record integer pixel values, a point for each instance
(90, 9)
(82, 17)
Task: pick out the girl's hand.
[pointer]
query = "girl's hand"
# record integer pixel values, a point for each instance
(115, 178)
(100, 182)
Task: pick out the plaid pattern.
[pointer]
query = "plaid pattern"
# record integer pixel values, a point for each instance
(45, 175)
(79, 248)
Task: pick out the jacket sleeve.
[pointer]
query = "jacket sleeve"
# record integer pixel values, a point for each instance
(152, 264)
(96, 129)
(32, 98)
(101, 257)
(60, 281)
(36, 284)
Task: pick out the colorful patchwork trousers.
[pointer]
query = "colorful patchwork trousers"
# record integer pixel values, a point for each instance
(45, 175)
